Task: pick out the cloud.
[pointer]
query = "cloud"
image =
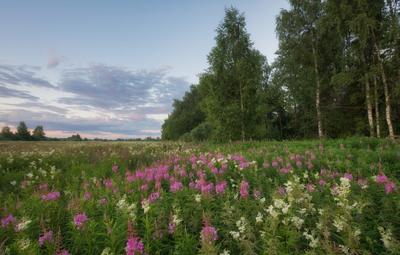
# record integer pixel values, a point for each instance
(7, 92)
(112, 87)
(22, 75)
(99, 100)
(53, 121)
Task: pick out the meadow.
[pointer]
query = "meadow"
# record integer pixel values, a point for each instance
(297, 197)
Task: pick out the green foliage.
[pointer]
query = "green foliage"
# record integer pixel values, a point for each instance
(23, 132)
(6, 134)
(185, 116)
(38, 133)
(345, 213)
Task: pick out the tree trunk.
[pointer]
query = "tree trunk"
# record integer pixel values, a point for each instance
(317, 94)
(378, 128)
(369, 107)
(242, 111)
(388, 108)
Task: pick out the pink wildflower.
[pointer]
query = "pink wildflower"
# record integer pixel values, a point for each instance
(389, 187)
(134, 246)
(175, 186)
(281, 190)
(80, 220)
(51, 196)
(209, 234)
(9, 219)
(310, 187)
(153, 197)
(63, 252)
(46, 237)
(108, 183)
(115, 168)
(220, 187)
(87, 195)
(381, 178)
(171, 227)
(348, 176)
(244, 189)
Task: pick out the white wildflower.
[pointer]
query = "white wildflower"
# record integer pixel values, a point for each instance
(259, 217)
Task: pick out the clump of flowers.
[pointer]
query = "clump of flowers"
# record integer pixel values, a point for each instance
(220, 187)
(51, 196)
(23, 224)
(8, 220)
(389, 185)
(209, 234)
(244, 189)
(134, 246)
(80, 220)
(47, 237)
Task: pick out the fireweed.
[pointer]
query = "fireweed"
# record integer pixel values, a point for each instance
(290, 197)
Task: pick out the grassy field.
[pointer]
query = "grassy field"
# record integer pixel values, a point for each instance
(300, 197)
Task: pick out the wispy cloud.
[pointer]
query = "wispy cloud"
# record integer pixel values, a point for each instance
(100, 100)
(16, 75)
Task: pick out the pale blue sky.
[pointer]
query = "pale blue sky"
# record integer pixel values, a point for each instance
(73, 44)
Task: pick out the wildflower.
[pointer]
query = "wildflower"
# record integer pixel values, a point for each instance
(310, 237)
(234, 234)
(220, 187)
(363, 183)
(134, 246)
(207, 188)
(389, 187)
(80, 220)
(103, 201)
(386, 237)
(47, 237)
(381, 179)
(322, 182)
(310, 188)
(145, 205)
(175, 186)
(23, 224)
(297, 222)
(87, 195)
(197, 198)
(10, 219)
(171, 227)
(209, 234)
(115, 168)
(281, 190)
(244, 189)
(153, 197)
(225, 252)
(63, 252)
(259, 217)
(108, 183)
(348, 176)
(51, 196)
(24, 244)
(107, 251)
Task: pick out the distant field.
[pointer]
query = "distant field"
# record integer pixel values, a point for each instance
(300, 197)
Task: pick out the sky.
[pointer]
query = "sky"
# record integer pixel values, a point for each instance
(111, 69)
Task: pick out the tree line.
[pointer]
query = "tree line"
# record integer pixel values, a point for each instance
(23, 134)
(336, 74)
